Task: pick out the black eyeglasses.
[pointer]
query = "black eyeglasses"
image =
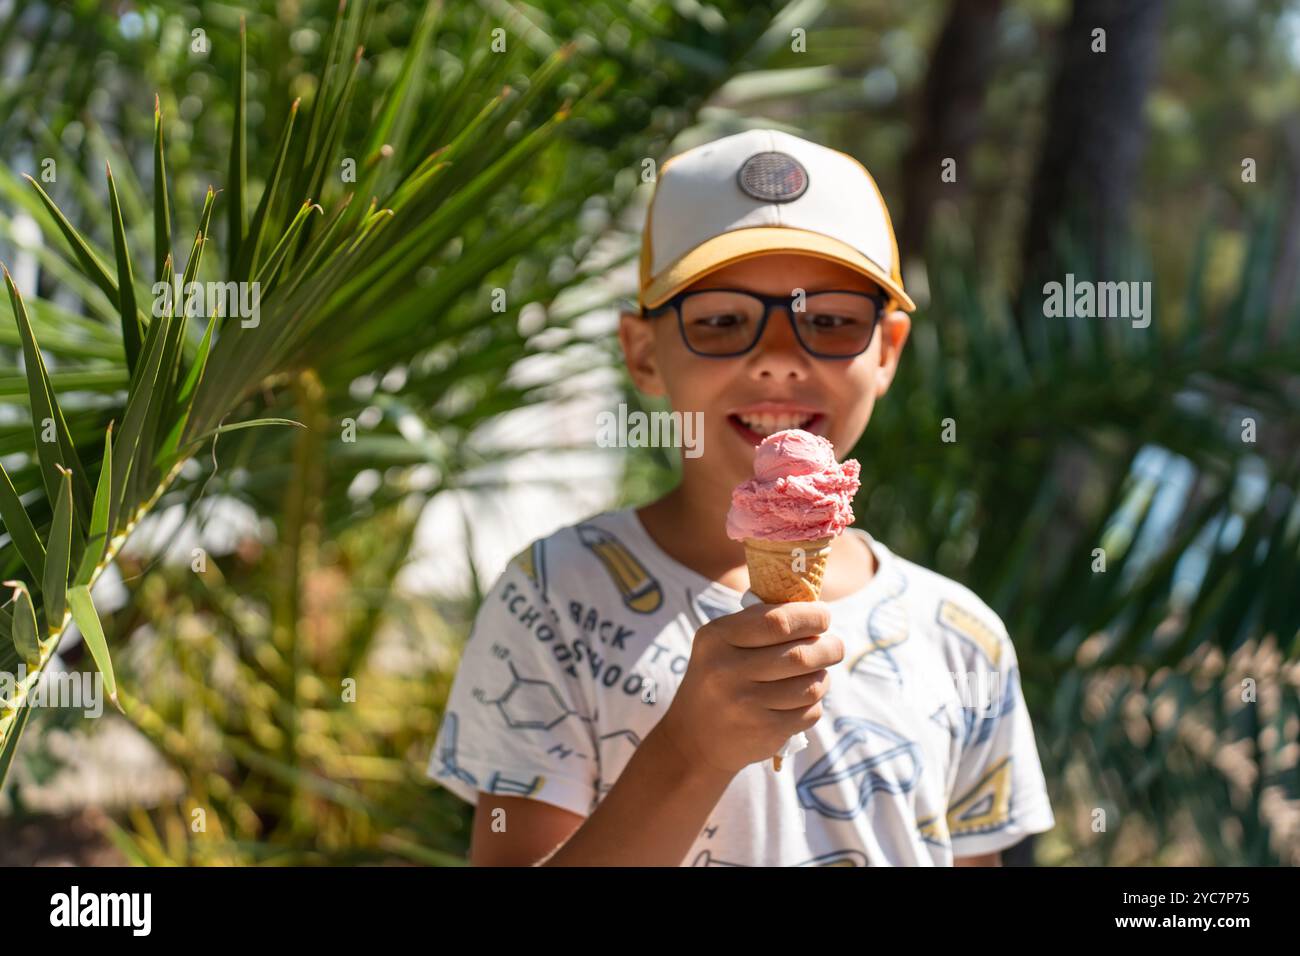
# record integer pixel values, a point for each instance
(724, 323)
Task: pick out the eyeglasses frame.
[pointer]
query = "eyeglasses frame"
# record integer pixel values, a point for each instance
(770, 302)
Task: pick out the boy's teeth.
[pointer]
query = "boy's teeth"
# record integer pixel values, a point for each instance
(768, 423)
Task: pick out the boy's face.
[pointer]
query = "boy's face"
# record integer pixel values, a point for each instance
(777, 384)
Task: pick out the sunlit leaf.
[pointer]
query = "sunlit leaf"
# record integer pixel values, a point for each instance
(92, 632)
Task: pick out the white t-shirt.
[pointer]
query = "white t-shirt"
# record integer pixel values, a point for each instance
(924, 749)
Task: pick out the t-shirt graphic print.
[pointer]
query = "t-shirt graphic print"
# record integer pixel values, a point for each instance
(924, 751)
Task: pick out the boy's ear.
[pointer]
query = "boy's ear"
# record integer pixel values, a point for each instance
(894, 329)
(637, 336)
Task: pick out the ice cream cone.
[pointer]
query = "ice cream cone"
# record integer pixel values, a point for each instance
(799, 499)
(785, 571)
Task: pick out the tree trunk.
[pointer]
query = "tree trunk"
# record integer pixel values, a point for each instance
(1093, 144)
(951, 105)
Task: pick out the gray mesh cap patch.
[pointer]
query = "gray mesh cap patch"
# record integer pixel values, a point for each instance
(773, 177)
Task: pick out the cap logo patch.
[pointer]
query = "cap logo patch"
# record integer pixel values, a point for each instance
(773, 177)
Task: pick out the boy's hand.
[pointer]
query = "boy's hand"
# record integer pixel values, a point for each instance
(755, 679)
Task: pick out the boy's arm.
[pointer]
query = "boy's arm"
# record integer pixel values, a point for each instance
(650, 817)
(532, 830)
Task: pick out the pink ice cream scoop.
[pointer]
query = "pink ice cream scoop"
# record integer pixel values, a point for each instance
(799, 492)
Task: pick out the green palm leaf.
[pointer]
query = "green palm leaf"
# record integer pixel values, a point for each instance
(19, 526)
(162, 216)
(92, 632)
(126, 284)
(25, 631)
(57, 557)
(54, 444)
(97, 537)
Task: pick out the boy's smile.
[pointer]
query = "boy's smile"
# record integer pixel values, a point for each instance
(755, 421)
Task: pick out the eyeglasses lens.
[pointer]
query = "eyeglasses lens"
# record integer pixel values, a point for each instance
(726, 323)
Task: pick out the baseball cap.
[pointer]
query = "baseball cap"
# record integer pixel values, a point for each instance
(764, 191)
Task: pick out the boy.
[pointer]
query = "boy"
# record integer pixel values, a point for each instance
(615, 705)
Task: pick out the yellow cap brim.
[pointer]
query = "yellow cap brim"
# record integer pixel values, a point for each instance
(740, 244)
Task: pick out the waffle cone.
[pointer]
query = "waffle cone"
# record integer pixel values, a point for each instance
(779, 573)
